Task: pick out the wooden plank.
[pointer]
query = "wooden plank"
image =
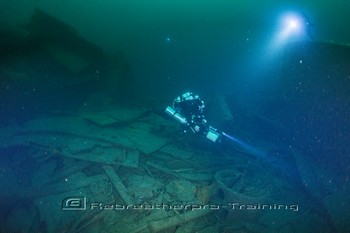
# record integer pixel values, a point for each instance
(189, 176)
(83, 147)
(118, 184)
(177, 220)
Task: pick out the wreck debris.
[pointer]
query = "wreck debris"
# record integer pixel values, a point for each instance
(189, 175)
(178, 219)
(118, 184)
(143, 188)
(117, 116)
(175, 151)
(87, 148)
(181, 190)
(162, 169)
(88, 220)
(63, 43)
(50, 67)
(204, 193)
(146, 141)
(74, 182)
(241, 185)
(172, 177)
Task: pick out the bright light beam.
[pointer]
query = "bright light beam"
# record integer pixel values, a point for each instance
(291, 28)
(246, 147)
(264, 156)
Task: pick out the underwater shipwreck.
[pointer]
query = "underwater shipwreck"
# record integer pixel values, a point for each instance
(76, 157)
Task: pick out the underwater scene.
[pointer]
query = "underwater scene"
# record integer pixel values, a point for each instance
(174, 116)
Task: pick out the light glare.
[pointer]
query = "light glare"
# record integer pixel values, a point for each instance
(290, 28)
(293, 24)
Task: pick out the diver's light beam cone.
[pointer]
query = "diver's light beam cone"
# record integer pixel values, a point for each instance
(246, 147)
(290, 28)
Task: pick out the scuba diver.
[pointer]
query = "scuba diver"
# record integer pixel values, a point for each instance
(188, 109)
(307, 25)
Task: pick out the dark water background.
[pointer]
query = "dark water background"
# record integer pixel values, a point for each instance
(296, 97)
(209, 41)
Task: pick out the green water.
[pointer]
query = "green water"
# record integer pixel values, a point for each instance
(218, 35)
(83, 89)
